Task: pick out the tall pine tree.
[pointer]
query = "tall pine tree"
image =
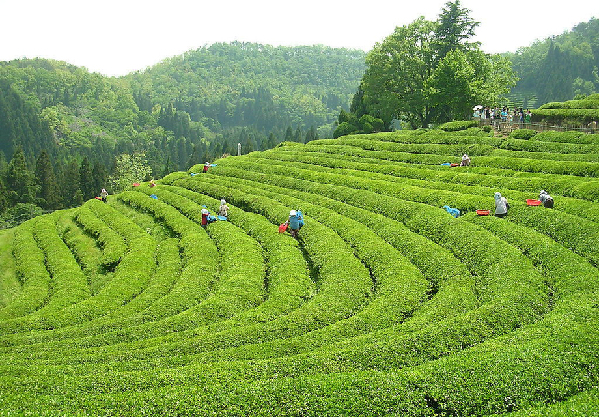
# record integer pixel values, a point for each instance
(47, 194)
(86, 180)
(20, 182)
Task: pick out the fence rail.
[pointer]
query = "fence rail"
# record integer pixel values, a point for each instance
(508, 127)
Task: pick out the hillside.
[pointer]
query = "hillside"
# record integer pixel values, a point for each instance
(579, 113)
(201, 98)
(185, 110)
(557, 68)
(384, 305)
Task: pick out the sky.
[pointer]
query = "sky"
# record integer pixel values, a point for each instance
(116, 37)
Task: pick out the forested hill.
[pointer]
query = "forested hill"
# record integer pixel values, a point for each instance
(558, 68)
(185, 110)
(260, 86)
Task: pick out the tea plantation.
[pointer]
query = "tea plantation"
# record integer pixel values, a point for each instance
(384, 305)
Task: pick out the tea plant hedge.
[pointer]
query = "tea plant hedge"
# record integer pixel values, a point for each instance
(384, 304)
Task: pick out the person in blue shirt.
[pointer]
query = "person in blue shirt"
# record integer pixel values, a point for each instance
(295, 222)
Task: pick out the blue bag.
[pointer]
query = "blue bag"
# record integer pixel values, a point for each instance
(300, 219)
(453, 211)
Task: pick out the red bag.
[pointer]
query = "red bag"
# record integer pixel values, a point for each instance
(282, 228)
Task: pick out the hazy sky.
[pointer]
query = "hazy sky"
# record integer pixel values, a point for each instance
(115, 37)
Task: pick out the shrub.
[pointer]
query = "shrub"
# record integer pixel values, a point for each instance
(458, 125)
(523, 134)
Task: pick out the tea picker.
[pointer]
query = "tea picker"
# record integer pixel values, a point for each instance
(294, 223)
(546, 199)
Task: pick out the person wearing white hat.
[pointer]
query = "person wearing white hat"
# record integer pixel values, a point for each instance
(206, 166)
(465, 160)
(546, 199)
(294, 222)
(501, 205)
(205, 214)
(223, 210)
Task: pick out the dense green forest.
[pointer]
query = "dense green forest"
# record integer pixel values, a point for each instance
(558, 68)
(69, 126)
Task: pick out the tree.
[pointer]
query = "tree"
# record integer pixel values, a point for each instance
(312, 134)
(48, 196)
(427, 72)
(289, 134)
(454, 28)
(20, 182)
(395, 81)
(129, 169)
(86, 180)
(70, 185)
(100, 177)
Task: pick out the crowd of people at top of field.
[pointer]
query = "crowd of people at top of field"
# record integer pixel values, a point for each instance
(504, 114)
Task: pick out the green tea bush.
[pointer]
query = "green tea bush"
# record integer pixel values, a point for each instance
(113, 245)
(31, 271)
(523, 134)
(458, 125)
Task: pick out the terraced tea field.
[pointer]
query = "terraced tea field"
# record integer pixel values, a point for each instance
(384, 305)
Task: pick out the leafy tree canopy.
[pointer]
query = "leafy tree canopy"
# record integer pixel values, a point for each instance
(428, 72)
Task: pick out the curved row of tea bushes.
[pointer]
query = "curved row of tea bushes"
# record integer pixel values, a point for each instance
(238, 285)
(429, 137)
(85, 250)
(580, 234)
(434, 156)
(31, 271)
(567, 273)
(10, 286)
(549, 147)
(116, 220)
(576, 207)
(565, 115)
(582, 157)
(68, 283)
(399, 287)
(411, 148)
(567, 137)
(288, 281)
(589, 102)
(113, 245)
(577, 187)
(534, 296)
(130, 278)
(583, 404)
(167, 271)
(164, 213)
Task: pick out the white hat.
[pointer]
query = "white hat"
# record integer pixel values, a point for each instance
(293, 213)
(223, 201)
(204, 211)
